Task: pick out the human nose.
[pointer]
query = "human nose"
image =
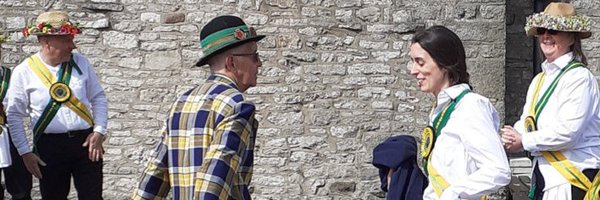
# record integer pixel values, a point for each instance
(259, 61)
(72, 45)
(413, 69)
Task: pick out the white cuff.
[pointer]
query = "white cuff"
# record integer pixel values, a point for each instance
(449, 194)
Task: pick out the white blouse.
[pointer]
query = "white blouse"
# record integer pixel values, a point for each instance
(468, 153)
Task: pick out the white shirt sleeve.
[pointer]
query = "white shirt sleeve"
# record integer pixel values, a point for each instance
(18, 103)
(97, 98)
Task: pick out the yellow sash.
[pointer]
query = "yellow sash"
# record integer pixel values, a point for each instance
(439, 183)
(573, 175)
(48, 79)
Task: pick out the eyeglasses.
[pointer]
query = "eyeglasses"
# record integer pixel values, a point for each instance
(541, 31)
(255, 57)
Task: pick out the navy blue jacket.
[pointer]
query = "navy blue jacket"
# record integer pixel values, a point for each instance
(399, 153)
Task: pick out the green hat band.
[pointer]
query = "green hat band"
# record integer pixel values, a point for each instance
(224, 37)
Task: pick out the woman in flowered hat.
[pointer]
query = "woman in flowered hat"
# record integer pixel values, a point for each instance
(560, 124)
(463, 155)
(61, 94)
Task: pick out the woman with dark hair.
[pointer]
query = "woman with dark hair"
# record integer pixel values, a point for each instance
(560, 124)
(468, 161)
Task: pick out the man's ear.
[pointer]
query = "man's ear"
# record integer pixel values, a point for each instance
(229, 65)
(43, 41)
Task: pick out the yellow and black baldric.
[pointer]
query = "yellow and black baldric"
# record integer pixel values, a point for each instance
(557, 158)
(3, 89)
(431, 133)
(60, 94)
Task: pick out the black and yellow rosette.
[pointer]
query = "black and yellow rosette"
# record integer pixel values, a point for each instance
(60, 92)
(530, 124)
(427, 141)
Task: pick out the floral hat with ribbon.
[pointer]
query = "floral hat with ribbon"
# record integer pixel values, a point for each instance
(52, 23)
(559, 17)
(222, 33)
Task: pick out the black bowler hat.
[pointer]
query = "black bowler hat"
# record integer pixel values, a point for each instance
(222, 33)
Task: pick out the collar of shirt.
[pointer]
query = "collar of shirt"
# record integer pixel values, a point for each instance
(558, 64)
(447, 95)
(220, 78)
(39, 55)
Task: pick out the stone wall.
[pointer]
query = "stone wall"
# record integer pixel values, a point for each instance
(518, 73)
(334, 82)
(591, 46)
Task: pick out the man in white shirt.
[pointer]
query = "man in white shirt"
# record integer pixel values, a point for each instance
(60, 92)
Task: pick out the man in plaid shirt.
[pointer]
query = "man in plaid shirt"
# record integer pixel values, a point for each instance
(207, 149)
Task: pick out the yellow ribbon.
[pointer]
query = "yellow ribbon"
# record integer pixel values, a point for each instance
(573, 175)
(438, 182)
(536, 92)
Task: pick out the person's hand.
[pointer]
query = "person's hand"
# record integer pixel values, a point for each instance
(389, 178)
(94, 144)
(32, 163)
(511, 139)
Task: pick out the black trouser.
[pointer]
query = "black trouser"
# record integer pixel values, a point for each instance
(16, 177)
(538, 183)
(576, 193)
(65, 157)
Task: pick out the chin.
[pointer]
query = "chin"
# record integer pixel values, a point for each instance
(551, 56)
(548, 51)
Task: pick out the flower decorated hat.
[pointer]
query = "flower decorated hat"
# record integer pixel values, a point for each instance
(52, 23)
(559, 17)
(222, 33)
